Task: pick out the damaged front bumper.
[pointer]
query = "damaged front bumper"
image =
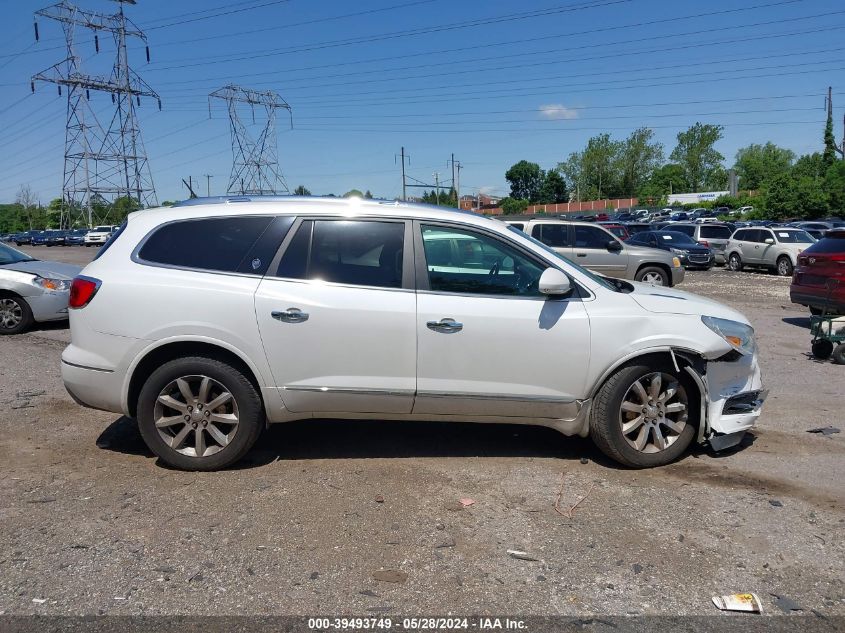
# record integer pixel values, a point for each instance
(733, 396)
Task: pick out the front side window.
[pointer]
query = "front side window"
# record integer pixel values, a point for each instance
(467, 262)
(357, 252)
(591, 237)
(215, 244)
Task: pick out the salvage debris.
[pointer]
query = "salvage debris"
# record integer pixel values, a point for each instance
(39, 600)
(379, 499)
(739, 602)
(568, 512)
(465, 502)
(520, 555)
(775, 503)
(825, 430)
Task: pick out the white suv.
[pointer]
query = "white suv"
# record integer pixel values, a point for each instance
(206, 321)
(99, 235)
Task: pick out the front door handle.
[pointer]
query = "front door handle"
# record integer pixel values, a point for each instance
(446, 326)
(291, 315)
(581, 254)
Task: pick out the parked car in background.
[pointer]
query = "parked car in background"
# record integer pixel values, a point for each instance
(281, 310)
(617, 229)
(76, 237)
(714, 236)
(26, 237)
(817, 226)
(742, 211)
(39, 238)
(679, 216)
(56, 237)
(623, 217)
(99, 235)
(690, 252)
(32, 290)
(636, 227)
(595, 248)
(819, 278)
(773, 248)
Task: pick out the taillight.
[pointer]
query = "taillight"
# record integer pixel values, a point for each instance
(82, 290)
(704, 243)
(802, 260)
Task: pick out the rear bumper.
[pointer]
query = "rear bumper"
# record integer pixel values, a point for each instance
(93, 387)
(809, 296)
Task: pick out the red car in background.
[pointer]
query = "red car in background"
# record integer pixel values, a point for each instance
(619, 230)
(819, 279)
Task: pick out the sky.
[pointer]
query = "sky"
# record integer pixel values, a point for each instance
(492, 82)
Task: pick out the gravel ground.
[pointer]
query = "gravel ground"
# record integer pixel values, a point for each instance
(91, 524)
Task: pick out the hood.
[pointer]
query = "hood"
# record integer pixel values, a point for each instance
(670, 301)
(657, 254)
(54, 270)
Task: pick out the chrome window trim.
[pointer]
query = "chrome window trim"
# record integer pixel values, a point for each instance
(350, 390)
(488, 397)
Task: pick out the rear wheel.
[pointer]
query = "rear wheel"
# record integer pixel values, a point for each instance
(735, 262)
(199, 413)
(641, 417)
(784, 266)
(15, 315)
(653, 275)
(839, 354)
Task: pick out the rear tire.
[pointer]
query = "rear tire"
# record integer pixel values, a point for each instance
(735, 263)
(199, 413)
(641, 421)
(839, 354)
(815, 311)
(15, 315)
(653, 275)
(784, 266)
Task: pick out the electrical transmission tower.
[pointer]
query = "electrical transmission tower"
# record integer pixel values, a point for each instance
(102, 162)
(255, 161)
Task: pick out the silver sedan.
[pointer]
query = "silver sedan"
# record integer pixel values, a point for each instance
(32, 290)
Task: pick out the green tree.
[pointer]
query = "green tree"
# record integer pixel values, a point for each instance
(595, 173)
(301, 190)
(781, 201)
(756, 164)
(353, 193)
(669, 178)
(810, 165)
(639, 157)
(811, 200)
(697, 155)
(834, 185)
(526, 180)
(513, 206)
(368, 195)
(554, 188)
(829, 156)
(443, 198)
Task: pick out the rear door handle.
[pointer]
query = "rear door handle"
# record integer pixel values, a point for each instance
(446, 326)
(291, 315)
(581, 254)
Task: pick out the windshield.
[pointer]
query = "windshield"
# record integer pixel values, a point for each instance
(676, 238)
(794, 237)
(9, 255)
(599, 280)
(103, 229)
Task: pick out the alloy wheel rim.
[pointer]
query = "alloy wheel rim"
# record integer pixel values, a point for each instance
(654, 412)
(653, 278)
(11, 313)
(734, 262)
(783, 266)
(196, 416)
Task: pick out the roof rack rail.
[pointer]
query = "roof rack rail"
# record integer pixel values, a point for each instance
(226, 199)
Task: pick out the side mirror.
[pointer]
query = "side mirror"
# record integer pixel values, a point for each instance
(769, 240)
(614, 246)
(554, 283)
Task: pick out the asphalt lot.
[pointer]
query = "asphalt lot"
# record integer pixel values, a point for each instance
(91, 524)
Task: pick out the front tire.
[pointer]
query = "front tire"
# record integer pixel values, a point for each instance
(15, 315)
(643, 416)
(735, 263)
(653, 275)
(839, 354)
(784, 267)
(199, 413)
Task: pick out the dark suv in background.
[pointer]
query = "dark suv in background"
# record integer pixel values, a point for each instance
(819, 279)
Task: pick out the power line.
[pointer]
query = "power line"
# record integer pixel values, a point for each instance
(216, 15)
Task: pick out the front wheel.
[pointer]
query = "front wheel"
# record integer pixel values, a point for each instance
(643, 416)
(839, 354)
(784, 267)
(653, 275)
(199, 413)
(15, 315)
(735, 262)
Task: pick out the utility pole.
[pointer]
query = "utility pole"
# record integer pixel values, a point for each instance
(402, 158)
(189, 183)
(838, 150)
(208, 178)
(437, 186)
(456, 178)
(255, 162)
(102, 163)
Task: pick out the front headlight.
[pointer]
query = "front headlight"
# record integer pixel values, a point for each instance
(679, 251)
(52, 284)
(676, 262)
(738, 335)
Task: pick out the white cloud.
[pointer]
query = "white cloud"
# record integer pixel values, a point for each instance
(558, 111)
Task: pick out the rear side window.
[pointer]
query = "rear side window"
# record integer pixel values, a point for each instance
(715, 232)
(361, 253)
(686, 230)
(554, 235)
(590, 237)
(218, 244)
(518, 225)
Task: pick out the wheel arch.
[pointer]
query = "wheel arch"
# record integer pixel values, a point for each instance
(157, 356)
(665, 268)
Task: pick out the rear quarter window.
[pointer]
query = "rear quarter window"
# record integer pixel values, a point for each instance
(215, 244)
(715, 232)
(828, 245)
